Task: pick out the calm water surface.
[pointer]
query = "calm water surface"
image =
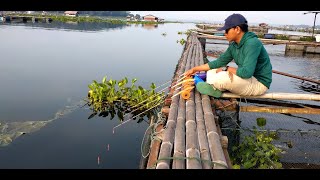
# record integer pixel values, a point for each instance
(45, 71)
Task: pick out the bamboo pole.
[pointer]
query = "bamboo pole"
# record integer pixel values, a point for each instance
(206, 155)
(167, 143)
(213, 141)
(275, 95)
(264, 41)
(180, 133)
(201, 130)
(179, 137)
(280, 103)
(280, 110)
(216, 151)
(297, 77)
(224, 139)
(192, 147)
(224, 143)
(154, 149)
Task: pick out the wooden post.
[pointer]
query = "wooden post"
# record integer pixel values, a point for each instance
(280, 110)
(154, 149)
(147, 141)
(224, 143)
(165, 110)
(203, 45)
(275, 95)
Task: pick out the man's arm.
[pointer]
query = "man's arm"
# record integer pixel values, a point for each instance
(222, 60)
(192, 71)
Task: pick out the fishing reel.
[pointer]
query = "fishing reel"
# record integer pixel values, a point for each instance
(189, 83)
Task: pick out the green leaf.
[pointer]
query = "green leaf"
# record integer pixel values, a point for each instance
(278, 165)
(104, 80)
(236, 166)
(261, 121)
(92, 115)
(141, 88)
(248, 165)
(153, 86)
(258, 153)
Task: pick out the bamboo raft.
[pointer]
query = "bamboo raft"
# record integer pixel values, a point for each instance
(191, 138)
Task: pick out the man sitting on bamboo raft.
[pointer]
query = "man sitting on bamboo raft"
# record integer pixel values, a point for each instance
(254, 73)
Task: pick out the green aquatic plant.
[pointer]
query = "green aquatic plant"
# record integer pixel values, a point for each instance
(188, 32)
(257, 151)
(181, 41)
(281, 37)
(111, 97)
(310, 39)
(9, 131)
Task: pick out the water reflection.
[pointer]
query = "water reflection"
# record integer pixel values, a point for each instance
(150, 26)
(124, 113)
(308, 87)
(301, 54)
(77, 26)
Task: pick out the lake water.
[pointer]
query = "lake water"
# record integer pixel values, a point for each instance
(45, 71)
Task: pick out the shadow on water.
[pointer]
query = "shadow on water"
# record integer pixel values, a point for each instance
(123, 112)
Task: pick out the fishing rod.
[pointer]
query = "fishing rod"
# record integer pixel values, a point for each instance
(168, 82)
(187, 89)
(135, 116)
(297, 77)
(147, 104)
(158, 92)
(184, 81)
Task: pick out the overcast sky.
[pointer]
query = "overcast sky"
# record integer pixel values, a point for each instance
(269, 17)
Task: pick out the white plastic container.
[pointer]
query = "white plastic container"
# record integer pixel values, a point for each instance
(317, 37)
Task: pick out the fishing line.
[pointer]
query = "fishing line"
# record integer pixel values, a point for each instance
(187, 80)
(158, 92)
(149, 108)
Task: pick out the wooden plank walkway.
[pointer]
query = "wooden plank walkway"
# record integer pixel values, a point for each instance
(190, 137)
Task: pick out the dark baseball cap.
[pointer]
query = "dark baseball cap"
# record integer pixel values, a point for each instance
(233, 20)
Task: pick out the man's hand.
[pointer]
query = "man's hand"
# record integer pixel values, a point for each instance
(189, 73)
(230, 71)
(219, 70)
(192, 71)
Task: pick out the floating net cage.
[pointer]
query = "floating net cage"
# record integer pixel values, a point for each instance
(298, 135)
